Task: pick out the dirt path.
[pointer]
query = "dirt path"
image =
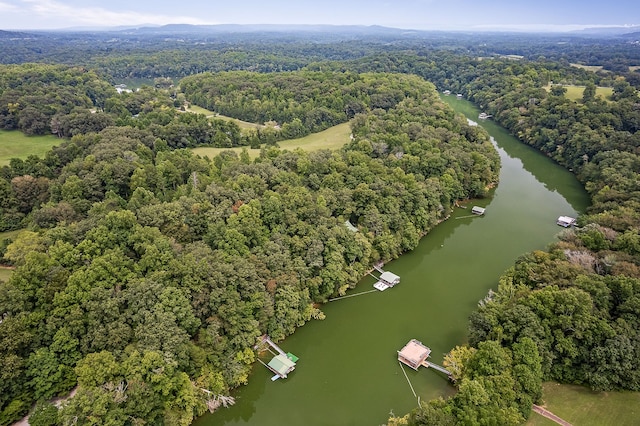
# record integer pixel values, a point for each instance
(55, 401)
(548, 414)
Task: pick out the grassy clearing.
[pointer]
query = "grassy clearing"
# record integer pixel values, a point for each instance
(634, 68)
(5, 273)
(580, 406)
(575, 92)
(592, 68)
(15, 144)
(333, 138)
(242, 124)
(10, 234)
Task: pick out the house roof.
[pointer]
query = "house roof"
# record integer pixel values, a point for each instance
(350, 226)
(281, 364)
(389, 277)
(566, 219)
(415, 351)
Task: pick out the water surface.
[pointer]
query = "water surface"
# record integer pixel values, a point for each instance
(348, 373)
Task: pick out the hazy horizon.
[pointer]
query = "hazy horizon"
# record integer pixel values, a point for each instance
(489, 15)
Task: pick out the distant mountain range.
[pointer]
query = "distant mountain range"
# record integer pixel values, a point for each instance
(609, 31)
(353, 30)
(176, 29)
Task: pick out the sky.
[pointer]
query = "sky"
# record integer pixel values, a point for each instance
(518, 15)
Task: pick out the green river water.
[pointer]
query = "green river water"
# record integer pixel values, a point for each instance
(348, 372)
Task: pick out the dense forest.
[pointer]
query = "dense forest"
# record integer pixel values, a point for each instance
(130, 238)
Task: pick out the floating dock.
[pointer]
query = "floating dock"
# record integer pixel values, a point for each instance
(414, 354)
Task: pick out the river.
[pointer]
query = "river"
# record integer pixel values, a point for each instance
(348, 373)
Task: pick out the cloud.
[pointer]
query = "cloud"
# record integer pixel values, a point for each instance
(68, 15)
(6, 7)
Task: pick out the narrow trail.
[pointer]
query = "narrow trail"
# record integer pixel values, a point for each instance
(548, 414)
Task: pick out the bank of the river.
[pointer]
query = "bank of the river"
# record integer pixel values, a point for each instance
(348, 373)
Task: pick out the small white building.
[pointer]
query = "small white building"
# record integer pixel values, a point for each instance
(566, 221)
(478, 210)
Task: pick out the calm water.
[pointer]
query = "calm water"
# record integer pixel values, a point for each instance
(348, 373)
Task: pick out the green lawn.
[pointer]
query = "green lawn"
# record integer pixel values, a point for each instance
(15, 144)
(580, 406)
(333, 138)
(242, 124)
(6, 273)
(592, 68)
(575, 92)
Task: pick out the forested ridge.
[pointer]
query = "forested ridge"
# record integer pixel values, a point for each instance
(146, 274)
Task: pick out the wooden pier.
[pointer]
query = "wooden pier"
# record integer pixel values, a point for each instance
(436, 367)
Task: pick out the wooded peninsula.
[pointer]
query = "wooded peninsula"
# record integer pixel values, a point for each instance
(145, 274)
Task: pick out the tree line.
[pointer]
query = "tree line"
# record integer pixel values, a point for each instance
(146, 274)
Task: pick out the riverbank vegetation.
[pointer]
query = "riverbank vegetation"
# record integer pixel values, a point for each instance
(576, 301)
(146, 273)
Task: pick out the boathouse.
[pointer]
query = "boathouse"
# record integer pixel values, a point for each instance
(281, 365)
(566, 221)
(478, 210)
(389, 278)
(414, 354)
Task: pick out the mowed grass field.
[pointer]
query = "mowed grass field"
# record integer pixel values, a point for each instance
(592, 68)
(242, 124)
(580, 406)
(575, 92)
(333, 138)
(15, 144)
(5, 272)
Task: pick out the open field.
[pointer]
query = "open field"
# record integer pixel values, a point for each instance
(634, 68)
(15, 144)
(5, 272)
(575, 92)
(592, 68)
(9, 234)
(580, 406)
(332, 138)
(242, 124)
